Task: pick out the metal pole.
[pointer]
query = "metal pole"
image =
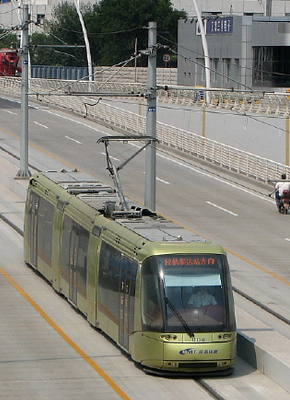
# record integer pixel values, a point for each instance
(135, 61)
(205, 50)
(24, 172)
(87, 43)
(150, 167)
(268, 8)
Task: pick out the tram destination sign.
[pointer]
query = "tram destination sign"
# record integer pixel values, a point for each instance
(184, 261)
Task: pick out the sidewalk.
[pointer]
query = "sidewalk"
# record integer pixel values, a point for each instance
(12, 192)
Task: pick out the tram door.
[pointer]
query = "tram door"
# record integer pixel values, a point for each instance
(124, 303)
(74, 250)
(128, 272)
(33, 228)
(73, 267)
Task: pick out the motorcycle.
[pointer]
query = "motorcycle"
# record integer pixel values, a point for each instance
(283, 202)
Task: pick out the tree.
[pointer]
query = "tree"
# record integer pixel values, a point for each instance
(43, 55)
(120, 22)
(8, 40)
(113, 27)
(62, 31)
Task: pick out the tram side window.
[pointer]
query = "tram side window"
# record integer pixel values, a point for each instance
(65, 248)
(30, 210)
(134, 270)
(109, 275)
(82, 261)
(151, 308)
(115, 272)
(44, 231)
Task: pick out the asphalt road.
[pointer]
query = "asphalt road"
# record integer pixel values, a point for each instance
(236, 214)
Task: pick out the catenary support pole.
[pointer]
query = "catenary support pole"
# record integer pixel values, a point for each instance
(24, 172)
(150, 167)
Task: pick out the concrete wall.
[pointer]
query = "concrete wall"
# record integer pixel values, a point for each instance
(231, 41)
(265, 136)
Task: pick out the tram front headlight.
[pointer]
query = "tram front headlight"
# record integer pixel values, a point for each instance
(225, 336)
(168, 337)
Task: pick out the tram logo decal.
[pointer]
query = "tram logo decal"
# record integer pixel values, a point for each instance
(195, 351)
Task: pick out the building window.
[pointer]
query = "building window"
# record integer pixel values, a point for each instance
(227, 69)
(200, 70)
(215, 68)
(40, 19)
(271, 66)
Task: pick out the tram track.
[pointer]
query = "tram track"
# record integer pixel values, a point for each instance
(262, 306)
(207, 170)
(206, 386)
(210, 390)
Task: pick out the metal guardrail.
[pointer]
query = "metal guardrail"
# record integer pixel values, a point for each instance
(221, 155)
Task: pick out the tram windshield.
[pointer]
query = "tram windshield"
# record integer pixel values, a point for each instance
(187, 293)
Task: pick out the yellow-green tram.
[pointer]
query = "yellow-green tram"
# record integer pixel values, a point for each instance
(161, 292)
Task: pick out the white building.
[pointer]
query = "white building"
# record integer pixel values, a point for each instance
(236, 7)
(11, 13)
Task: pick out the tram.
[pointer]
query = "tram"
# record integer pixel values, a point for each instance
(160, 291)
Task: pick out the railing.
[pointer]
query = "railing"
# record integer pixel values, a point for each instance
(165, 76)
(223, 156)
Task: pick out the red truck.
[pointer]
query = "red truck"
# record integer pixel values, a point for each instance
(9, 60)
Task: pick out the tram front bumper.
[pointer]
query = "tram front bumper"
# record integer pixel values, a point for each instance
(198, 356)
(179, 353)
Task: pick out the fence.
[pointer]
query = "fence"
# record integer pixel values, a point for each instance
(164, 76)
(224, 156)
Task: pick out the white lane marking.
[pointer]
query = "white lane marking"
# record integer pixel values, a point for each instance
(221, 208)
(173, 161)
(73, 140)
(10, 112)
(216, 179)
(113, 158)
(288, 239)
(160, 180)
(75, 121)
(43, 126)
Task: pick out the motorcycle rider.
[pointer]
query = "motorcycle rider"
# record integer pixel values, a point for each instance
(281, 186)
(279, 189)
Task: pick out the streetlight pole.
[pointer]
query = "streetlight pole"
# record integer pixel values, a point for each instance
(150, 168)
(205, 50)
(24, 172)
(88, 50)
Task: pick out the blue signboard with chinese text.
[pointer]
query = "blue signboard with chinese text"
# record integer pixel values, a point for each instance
(217, 26)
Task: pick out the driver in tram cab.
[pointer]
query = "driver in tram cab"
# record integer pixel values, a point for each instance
(202, 298)
(281, 186)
